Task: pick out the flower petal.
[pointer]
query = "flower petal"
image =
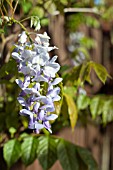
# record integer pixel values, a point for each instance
(22, 101)
(51, 117)
(56, 81)
(39, 126)
(16, 56)
(19, 82)
(41, 115)
(36, 107)
(26, 112)
(26, 81)
(47, 126)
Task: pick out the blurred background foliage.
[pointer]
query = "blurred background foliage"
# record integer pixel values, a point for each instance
(81, 104)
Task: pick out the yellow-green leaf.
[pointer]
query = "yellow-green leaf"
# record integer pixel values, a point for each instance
(72, 110)
(100, 71)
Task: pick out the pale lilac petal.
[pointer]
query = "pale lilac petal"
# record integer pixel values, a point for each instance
(28, 55)
(19, 82)
(40, 59)
(54, 92)
(22, 101)
(51, 117)
(22, 94)
(43, 36)
(26, 81)
(52, 48)
(48, 108)
(23, 37)
(37, 86)
(25, 112)
(25, 70)
(54, 59)
(30, 100)
(16, 56)
(51, 69)
(39, 126)
(28, 70)
(50, 87)
(47, 126)
(56, 81)
(43, 99)
(40, 78)
(36, 107)
(41, 115)
(56, 98)
(31, 91)
(31, 124)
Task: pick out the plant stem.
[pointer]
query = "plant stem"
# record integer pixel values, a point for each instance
(5, 9)
(25, 19)
(1, 12)
(15, 7)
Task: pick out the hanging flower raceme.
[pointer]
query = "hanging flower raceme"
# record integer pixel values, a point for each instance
(39, 88)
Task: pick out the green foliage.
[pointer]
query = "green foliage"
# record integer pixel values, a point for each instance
(49, 150)
(87, 158)
(12, 151)
(72, 110)
(99, 106)
(83, 101)
(46, 152)
(8, 68)
(26, 6)
(102, 105)
(37, 11)
(100, 71)
(92, 22)
(28, 149)
(67, 155)
(82, 73)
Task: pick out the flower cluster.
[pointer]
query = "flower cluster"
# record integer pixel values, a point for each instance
(39, 88)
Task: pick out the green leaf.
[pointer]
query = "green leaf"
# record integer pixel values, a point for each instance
(107, 114)
(44, 22)
(94, 106)
(47, 152)
(72, 110)
(37, 11)
(100, 71)
(84, 52)
(26, 6)
(8, 68)
(87, 158)
(83, 101)
(86, 74)
(70, 90)
(28, 148)
(73, 75)
(67, 155)
(12, 151)
(82, 165)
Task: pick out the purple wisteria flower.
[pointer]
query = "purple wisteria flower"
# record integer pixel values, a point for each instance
(39, 89)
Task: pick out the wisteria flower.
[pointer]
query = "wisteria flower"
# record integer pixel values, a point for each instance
(39, 89)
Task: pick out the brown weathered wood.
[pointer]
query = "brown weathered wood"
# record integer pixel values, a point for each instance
(57, 31)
